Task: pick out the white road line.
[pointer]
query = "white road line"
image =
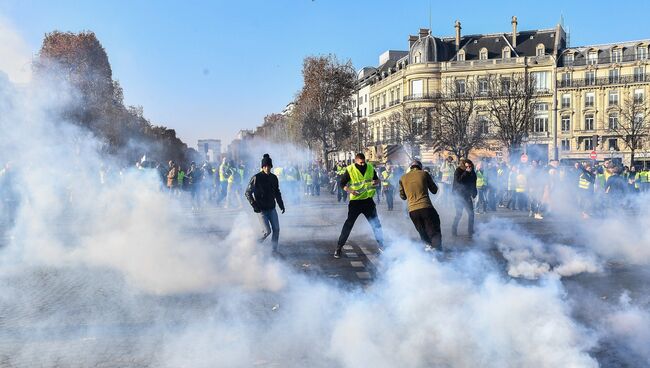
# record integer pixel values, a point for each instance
(357, 264)
(351, 255)
(347, 247)
(371, 257)
(363, 275)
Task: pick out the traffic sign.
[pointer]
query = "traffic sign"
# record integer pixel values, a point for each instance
(524, 158)
(593, 155)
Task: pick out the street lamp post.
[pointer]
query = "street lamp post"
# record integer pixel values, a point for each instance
(556, 153)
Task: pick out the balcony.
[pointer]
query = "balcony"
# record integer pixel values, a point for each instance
(605, 59)
(421, 97)
(393, 103)
(603, 81)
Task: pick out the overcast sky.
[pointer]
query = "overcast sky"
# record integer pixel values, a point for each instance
(209, 69)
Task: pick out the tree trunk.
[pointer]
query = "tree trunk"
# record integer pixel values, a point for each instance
(632, 157)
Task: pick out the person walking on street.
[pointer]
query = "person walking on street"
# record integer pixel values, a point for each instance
(360, 180)
(414, 187)
(171, 176)
(464, 190)
(481, 188)
(387, 186)
(262, 193)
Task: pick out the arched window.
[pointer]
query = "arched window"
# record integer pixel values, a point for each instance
(540, 50)
(483, 54)
(461, 55)
(505, 53)
(417, 58)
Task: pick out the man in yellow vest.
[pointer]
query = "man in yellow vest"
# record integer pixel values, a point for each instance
(360, 180)
(224, 170)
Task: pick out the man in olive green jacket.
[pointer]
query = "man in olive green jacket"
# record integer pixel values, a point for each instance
(414, 187)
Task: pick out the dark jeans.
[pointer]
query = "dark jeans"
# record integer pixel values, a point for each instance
(389, 193)
(367, 208)
(482, 203)
(467, 204)
(270, 223)
(427, 223)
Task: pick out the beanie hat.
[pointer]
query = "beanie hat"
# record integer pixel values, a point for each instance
(266, 160)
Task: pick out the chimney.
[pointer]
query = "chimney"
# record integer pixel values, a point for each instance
(412, 40)
(514, 31)
(424, 32)
(457, 26)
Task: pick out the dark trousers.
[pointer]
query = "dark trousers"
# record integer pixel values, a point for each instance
(427, 223)
(482, 202)
(270, 224)
(467, 204)
(367, 208)
(389, 193)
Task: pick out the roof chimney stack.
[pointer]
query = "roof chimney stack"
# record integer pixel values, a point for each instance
(424, 32)
(412, 40)
(514, 31)
(457, 26)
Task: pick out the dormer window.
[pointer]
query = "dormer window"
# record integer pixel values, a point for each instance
(461, 55)
(417, 58)
(540, 50)
(483, 54)
(568, 59)
(505, 53)
(617, 55)
(592, 58)
(641, 52)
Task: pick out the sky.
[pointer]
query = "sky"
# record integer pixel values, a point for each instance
(211, 68)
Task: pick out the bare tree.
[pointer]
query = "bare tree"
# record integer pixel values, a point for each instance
(634, 123)
(410, 127)
(510, 106)
(456, 126)
(323, 106)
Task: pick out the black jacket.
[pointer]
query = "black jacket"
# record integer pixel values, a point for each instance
(464, 183)
(263, 191)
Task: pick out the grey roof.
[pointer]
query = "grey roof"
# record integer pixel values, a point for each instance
(527, 42)
(604, 52)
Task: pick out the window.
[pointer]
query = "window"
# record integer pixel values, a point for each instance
(364, 112)
(417, 58)
(505, 85)
(639, 74)
(372, 105)
(483, 125)
(592, 58)
(566, 100)
(540, 51)
(566, 124)
(613, 144)
(541, 80)
(540, 124)
(614, 76)
(638, 121)
(505, 53)
(617, 56)
(398, 95)
(566, 145)
(392, 96)
(613, 98)
(589, 144)
(461, 55)
(483, 86)
(589, 122)
(566, 79)
(416, 88)
(613, 121)
(460, 86)
(638, 96)
(483, 54)
(641, 53)
(590, 78)
(541, 108)
(590, 99)
(567, 59)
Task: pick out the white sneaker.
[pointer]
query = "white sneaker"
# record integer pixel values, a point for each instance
(538, 216)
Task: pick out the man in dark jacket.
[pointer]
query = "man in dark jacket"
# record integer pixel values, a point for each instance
(464, 189)
(262, 193)
(414, 187)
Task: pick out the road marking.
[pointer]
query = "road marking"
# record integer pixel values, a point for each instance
(347, 247)
(351, 255)
(357, 264)
(371, 257)
(363, 275)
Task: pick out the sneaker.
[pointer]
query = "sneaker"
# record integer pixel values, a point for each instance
(538, 216)
(337, 253)
(429, 248)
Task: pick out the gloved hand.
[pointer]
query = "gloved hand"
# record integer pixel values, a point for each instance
(256, 209)
(282, 209)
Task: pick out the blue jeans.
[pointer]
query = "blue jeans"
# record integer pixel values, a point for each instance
(270, 224)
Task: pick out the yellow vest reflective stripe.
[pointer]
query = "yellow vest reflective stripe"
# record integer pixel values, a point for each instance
(644, 176)
(521, 183)
(222, 172)
(583, 183)
(361, 183)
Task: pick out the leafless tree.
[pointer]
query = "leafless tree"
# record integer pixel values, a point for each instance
(634, 123)
(410, 127)
(457, 127)
(511, 102)
(323, 107)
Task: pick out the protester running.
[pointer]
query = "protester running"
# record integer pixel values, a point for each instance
(414, 187)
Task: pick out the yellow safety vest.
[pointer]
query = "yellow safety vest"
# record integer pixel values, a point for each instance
(278, 171)
(308, 179)
(644, 176)
(361, 183)
(521, 183)
(584, 183)
(481, 181)
(387, 178)
(222, 172)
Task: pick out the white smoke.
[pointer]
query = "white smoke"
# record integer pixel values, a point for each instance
(16, 58)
